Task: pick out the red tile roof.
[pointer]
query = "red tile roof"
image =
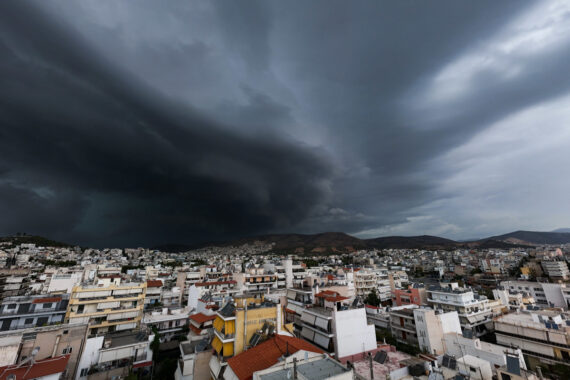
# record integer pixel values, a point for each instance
(327, 293)
(143, 364)
(154, 283)
(201, 318)
(47, 300)
(267, 354)
(40, 368)
(196, 330)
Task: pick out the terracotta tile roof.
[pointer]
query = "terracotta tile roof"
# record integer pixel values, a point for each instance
(201, 318)
(267, 354)
(47, 300)
(335, 298)
(143, 364)
(154, 283)
(327, 293)
(40, 368)
(196, 330)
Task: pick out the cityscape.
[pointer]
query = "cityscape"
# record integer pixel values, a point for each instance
(284, 190)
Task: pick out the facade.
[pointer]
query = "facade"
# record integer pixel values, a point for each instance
(415, 294)
(194, 364)
(20, 312)
(237, 326)
(475, 313)
(556, 269)
(544, 294)
(107, 308)
(543, 336)
(115, 355)
(169, 322)
(364, 282)
(431, 327)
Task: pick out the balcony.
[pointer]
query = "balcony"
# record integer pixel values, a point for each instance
(225, 338)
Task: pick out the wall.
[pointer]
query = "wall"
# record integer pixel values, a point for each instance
(255, 320)
(90, 355)
(353, 335)
(9, 346)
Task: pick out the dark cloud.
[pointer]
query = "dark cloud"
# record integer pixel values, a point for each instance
(152, 169)
(202, 121)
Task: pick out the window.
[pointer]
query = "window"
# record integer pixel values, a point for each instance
(12, 306)
(47, 305)
(29, 321)
(83, 372)
(65, 331)
(67, 350)
(472, 369)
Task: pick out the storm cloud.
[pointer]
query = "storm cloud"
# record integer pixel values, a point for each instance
(140, 123)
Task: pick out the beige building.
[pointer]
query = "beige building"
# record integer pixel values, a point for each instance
(107, 308)
(52, 341)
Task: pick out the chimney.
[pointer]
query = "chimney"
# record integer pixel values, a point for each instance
(295, 368)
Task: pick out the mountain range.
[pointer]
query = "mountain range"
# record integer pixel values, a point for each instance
(342, 242)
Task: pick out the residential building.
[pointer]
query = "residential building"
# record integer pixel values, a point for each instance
(543, 336)
(45, 369)
(107, 308)
(115, 355)
(195, 359)
(19, 312)
(169, 322)
(474, 311)
(556, 269)
(414, 294)
(266, 355)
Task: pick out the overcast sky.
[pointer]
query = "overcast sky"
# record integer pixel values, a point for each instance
(135, 123)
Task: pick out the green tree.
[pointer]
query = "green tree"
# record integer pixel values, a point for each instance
(372, 298)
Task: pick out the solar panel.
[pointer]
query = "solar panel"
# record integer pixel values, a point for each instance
(555, 326)
(567, 323)
(548, 325)
(445, 361)
(468, 334)
(381, 357)
(452, 363)
(513, 365)
(254, 339)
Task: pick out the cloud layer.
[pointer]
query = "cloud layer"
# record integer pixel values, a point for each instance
(145, 123)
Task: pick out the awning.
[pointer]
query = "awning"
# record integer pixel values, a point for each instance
(217, 344)
(143, 364)
(218, 324)
(228, 349)
(230, 327)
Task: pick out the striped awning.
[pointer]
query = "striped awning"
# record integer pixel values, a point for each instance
(217, 344)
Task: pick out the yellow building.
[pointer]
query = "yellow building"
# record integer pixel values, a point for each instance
(109, 308)
(236, 324)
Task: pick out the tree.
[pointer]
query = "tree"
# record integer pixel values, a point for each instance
(372, 298)
(155, 344)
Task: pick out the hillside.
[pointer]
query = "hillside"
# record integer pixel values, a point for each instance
(39, 241)
(411, 242)
(534, 237)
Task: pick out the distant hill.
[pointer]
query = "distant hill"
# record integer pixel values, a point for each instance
(534, 237)
(411, 242)
(327, 240)
(39, 241)
(564, 230)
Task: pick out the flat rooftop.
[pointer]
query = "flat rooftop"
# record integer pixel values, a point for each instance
(313, 370)
(125, 338)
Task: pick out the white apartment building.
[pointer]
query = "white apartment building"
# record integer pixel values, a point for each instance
(555, 269)
(364, 282)
(473, 309)
(545, 294)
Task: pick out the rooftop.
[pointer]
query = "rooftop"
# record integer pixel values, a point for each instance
(313, 370)
(124, 339)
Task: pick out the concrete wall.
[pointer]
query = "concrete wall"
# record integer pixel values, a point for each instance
(353, 334)
(90, 355)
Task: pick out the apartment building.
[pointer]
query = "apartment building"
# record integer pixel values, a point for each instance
(543, 336)
(364, 282)
(115, 355)
(414, 294)
(153, 293)
(544, 294)
(240, 325)
(195, 359)
(169, 322)
(43, 343)
(256, 280)
(556, 269)
(475, 313)
(107, 308)
(334, 326)
(185, 279)
(21, 312)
